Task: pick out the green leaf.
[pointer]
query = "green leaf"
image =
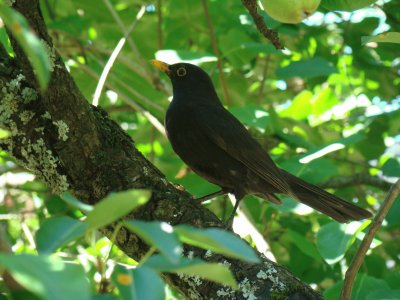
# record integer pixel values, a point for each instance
(58, 231)
(392, 167)
(160, 235)
(306, 69)
(300, 108)
(217, 240)
(387, 37)
(192, 268)
(47, 277)
(392, 218)
(363, 287)
(323, 101)
(346, 5)
(252, 115)
(71, 200)
(133, 284)
(34, 49)
(303, 244)
(333, 239)
(115, 206)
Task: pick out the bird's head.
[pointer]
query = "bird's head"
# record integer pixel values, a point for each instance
(188, 79)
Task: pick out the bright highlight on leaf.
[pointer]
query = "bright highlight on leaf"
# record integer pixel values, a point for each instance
(160, 235)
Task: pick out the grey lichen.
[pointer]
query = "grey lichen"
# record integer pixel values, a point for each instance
(208, 254)
(41, 161)
(271, 274)
(26, 116)
(247, 289)
(46, 115)
(51, 54)
(226, 293)
(32, 152)
(63, 129)
(29, 95)
(193, 282)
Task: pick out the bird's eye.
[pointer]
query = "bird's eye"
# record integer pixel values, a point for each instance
(181, 72)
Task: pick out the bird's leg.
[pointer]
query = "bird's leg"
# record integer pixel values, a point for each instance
(229, 222)
(210, 196)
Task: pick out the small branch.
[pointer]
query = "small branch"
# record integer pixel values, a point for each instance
(128, 100)
(251, 6)
(217, 53)
(114, 56)
(264, 77)
(362, 250)
(357, 179)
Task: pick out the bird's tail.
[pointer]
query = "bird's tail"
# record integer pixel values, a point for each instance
(323, 201)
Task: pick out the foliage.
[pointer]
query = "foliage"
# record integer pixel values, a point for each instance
(326, 107)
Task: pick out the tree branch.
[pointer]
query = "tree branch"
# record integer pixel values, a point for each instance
(251, 6)
(72, 145)
(365, 244)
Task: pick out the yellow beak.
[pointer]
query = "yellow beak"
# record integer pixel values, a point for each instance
(162, 66)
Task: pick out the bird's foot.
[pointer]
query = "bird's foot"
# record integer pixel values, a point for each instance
(229, 224)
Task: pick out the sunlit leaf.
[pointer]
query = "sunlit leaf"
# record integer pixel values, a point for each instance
(194, 268)
(217, 240)
(133, 284)
(346, 5)
(47, 277)
(58, 231)
(387, 37)
(158, 234)
(306, 69)
(115, 206)
(34, 49)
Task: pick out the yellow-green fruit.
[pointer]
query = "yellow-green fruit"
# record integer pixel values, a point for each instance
(290, 11)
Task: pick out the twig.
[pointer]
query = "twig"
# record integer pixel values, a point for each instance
(362, 250)
(152, 119)
(264, 77)
(217, 53)
(129, 88)
(113, 57)
(270, 34)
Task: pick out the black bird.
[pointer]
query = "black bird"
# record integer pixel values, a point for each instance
(216, 146)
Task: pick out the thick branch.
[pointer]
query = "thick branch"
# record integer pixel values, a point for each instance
(70, 144)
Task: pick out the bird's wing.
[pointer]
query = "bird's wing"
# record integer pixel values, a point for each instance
(225, 131)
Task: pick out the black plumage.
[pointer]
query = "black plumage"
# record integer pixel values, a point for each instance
(216, 146)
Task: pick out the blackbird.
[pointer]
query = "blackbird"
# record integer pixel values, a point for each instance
(216, 146)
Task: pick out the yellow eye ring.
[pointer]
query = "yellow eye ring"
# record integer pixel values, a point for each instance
(181, 72)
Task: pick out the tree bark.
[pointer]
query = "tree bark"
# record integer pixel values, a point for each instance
(71, 145)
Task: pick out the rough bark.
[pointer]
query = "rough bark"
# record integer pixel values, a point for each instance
(72, 145)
